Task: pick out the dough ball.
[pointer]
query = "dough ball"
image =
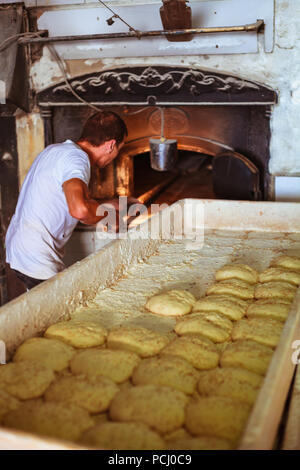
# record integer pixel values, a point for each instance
(169, 371)
(240, 384)
(217, 416)
(237, 271)
(234, 287)
(94, 394)
(269, 308)
(123, 436)
(263, 330)
(197, 350)
(59, 420)
(115, 365)
(212, 325)
(280, 274)
(49, 352)
(26, 379)
(275, 290)
(199, 443)
(161, 408)
(228, 305)
(139, 340)
(247, 354)
(287, 262)
(171, 303)
(7, 403)
(80, 334)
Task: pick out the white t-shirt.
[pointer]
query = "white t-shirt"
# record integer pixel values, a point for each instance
(42, 225)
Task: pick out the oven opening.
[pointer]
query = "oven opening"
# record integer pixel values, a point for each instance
(192, 178)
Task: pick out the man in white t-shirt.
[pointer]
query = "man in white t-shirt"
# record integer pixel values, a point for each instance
(55, 196)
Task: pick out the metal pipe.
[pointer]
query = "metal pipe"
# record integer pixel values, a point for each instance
(139, 34)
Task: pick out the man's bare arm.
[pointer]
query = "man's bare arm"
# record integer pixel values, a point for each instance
(80, 205)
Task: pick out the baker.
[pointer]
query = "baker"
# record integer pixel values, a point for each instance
(55, 196)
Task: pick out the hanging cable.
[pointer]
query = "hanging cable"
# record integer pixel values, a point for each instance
(115, 15)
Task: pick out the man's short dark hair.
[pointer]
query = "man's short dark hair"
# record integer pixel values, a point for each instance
(102, 126)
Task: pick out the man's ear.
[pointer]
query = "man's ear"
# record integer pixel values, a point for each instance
(111, 145)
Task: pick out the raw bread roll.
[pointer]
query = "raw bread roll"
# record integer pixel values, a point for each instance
(115, 365)
(287, 262)
(171, 303)
(240, 384)
(230, 306)
(275, 290)
(123, 436)
(49, 352)
(234, 287)
(270, 309)
(197, 350)
(247, 354)
(169, 371)
(280, 274)
(7, 403)
(180, 433)
(80, 334)
(60, 420)
(26, 379)
(212, 325)
(237, 271)
(140, 340)
(263, 330)
(161, 408)
(217, 416)
(200, 443)
(94, 394)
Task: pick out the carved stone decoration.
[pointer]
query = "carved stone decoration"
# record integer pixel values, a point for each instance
(176, 121)
(159, 85)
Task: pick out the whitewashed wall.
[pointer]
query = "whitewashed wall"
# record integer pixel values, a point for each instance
(279, 70)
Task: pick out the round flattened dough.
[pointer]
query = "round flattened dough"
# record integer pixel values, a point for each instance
(270, 309)
(230, 306)
(161, 408)
(80, 334)
(199, 443)
(217, 416)
(115, 365)
(169, 371)
(212, 325)
(239, 384)
(26, 379)
(233, 287)
(59, 420)
(171, 303)
(280, 274)
(49, 352)
(237, 271)
(7, 403)
(180, 433)
(275, 290)
(263, 330)
(137, 339)
(247, 354)
(197, 350)
(94, 394)
(123, 436)
(287, 262)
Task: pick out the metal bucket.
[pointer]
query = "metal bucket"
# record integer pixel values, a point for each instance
(163, 153)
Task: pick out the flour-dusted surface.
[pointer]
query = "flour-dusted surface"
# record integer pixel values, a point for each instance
(173, 266)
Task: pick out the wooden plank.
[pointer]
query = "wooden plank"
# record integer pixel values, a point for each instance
(265, 417)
